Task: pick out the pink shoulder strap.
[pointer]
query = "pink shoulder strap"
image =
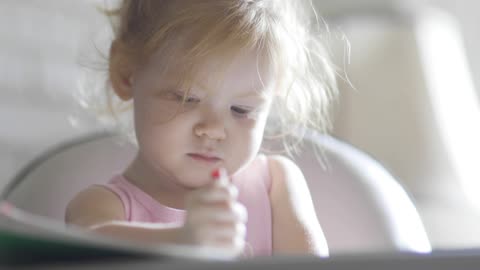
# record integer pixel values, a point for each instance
(116, 186)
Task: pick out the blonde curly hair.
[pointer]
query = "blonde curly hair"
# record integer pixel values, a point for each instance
(287, 33)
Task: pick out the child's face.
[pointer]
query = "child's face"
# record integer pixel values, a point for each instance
(221, 123)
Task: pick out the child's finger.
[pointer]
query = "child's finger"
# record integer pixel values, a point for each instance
(214, 194)
(229, 232)
(220, 176)
(215, 218)
(217, 195)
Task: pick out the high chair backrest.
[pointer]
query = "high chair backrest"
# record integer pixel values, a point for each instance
(360, 206)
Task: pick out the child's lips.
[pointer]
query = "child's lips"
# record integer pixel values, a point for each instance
(204, 157)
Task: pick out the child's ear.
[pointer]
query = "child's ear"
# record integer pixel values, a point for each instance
(120, 72)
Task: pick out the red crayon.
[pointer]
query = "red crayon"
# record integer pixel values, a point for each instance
(216, 173)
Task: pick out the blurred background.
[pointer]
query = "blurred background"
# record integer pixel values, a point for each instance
(410, 77)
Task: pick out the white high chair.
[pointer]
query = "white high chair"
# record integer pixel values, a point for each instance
(360, 206)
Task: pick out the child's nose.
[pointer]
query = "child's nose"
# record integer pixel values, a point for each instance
(212, 126)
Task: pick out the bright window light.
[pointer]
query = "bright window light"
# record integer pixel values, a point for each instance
(453, 96)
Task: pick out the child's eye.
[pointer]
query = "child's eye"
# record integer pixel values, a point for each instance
(188, 99)
(192, 100)
(240, 111)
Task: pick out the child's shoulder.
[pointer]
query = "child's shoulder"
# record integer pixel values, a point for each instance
(283, 171)
(93, 205)
(281, 164)
(293, 210)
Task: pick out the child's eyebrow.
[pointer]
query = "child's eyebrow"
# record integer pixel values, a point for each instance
(257, 93)
(261, 94)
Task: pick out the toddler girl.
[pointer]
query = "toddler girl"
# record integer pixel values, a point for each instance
(205, 78)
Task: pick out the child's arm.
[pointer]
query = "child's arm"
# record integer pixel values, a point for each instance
(98, 209)
(295, 225)
(213, 218)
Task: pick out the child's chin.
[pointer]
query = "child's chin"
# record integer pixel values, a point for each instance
(196, 181)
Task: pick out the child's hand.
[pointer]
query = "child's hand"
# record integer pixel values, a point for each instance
(214, 216)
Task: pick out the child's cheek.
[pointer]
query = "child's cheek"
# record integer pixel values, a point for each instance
(248, 122)
(254, 116)
(254, 121)
(261, 116)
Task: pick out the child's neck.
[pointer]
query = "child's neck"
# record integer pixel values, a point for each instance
(160, 187)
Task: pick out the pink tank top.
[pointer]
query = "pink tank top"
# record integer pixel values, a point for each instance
(253, 184)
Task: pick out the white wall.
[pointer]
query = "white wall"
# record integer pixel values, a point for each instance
(467, 12)
(392, 114)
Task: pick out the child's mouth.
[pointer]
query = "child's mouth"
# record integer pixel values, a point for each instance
(204, 157)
